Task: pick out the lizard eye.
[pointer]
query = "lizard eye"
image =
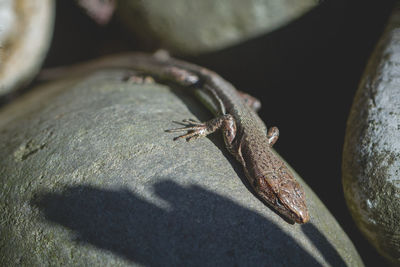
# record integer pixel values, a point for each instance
(279, 203)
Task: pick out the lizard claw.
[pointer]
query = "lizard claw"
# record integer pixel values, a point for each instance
(187, 122)
(192, 122)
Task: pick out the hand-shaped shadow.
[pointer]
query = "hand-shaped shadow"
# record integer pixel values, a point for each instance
(199, 228)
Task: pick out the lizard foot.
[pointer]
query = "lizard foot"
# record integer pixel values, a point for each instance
(194, 129)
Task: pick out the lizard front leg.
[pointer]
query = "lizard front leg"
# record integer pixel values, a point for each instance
(200, 129)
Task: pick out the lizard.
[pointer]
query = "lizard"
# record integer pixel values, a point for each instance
(245, 135)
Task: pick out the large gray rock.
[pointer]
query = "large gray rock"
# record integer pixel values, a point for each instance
(90, 178)
(371, 156)
(193, 27)
(26, 28)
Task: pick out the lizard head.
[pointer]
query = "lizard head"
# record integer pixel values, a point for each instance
(272, 180)
(281, 191)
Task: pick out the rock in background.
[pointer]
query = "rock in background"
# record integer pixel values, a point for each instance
(371, 156)
(26, 28)
(89, 177)
(193, 27)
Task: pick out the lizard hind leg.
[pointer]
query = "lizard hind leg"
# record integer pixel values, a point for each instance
(272, 135)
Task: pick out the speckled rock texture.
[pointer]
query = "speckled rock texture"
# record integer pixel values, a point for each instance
(371, 156)
(193, 27)
(90, 178)
(26, 28)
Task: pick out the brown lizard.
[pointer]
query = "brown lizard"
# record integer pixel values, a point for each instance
(244, 133)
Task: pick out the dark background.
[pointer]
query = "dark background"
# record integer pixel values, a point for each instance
(305, 74)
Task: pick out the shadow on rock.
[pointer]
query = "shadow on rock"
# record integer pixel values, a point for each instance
(324, 246)
(198, 228)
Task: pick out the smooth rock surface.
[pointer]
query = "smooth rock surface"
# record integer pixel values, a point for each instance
(90, 178)
(26, 28)
(371, 156)
(193, 27)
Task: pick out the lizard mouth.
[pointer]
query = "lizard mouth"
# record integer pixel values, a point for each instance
(303, 217)
(294, 212)
(290, 215)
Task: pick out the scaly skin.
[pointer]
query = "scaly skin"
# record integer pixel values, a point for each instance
(244, 132)
(245, 138)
